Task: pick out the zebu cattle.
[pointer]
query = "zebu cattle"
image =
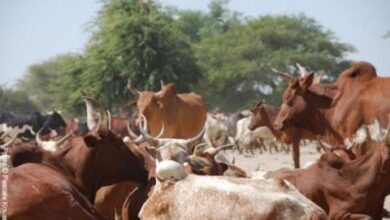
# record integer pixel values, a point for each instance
(62, 185)
(26, 126)
(265, 115)
(183, 115)
(221, 127)
(361, 97)
(213, 197)
(345, 189)
(247, 139)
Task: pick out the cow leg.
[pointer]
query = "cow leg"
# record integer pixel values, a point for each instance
(296, 153)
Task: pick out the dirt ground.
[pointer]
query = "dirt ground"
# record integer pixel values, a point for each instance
(277, 160)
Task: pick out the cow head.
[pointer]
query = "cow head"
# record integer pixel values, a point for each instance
(112, 156)
(55, 124)
(295, 105)
(259, 116)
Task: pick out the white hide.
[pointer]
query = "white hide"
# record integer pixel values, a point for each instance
(245, 136)
(5, 161)
(170, 170)
(13, 131)
(219, 197)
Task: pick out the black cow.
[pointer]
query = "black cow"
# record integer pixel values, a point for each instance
(26, 126)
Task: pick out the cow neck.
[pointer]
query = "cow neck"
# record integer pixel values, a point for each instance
(76, 163)
(319, 118)
(272, 113)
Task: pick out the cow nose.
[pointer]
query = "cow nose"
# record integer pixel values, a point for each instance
(278, 126)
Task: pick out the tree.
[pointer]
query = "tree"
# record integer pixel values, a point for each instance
(198, 24)
(55, 83)
(237, 64)
(16, 102)
(135, 40)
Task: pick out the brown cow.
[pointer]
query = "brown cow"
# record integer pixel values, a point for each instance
(360, 98)
(265, 115)
(183, 115)
(62, 185)
(345, 189)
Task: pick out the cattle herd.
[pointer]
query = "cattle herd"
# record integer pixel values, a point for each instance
(169, 161)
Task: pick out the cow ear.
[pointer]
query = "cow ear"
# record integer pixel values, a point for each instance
(307, 81)
(91, 140)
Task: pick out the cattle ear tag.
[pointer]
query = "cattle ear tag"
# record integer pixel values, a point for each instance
(90, 141)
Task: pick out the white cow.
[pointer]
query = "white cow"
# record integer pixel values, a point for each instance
(219, 197)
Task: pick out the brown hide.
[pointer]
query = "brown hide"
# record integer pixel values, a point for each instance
(265, 115)
(109, 199)
(183, 115)
(63, 184)
(345, 189)
(361, 97)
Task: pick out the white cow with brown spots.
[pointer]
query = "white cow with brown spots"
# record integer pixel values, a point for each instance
(216, 197)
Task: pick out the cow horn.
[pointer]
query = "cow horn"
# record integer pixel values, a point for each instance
(285, 76)
(386, 135)
(325, 146)
(131, 89)
(302, 70)
(197, 148)
(214, 151)
(162, 84)
(104, 123)
(139, 139)
(109, 119)
(195, 139)
(62, 140)
(9, 143)
(317, 78)
(38, 138)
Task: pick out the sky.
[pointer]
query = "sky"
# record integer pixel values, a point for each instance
(33, 31)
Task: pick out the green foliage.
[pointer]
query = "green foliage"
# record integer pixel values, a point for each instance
(55, 83)
(218, 53)
(237, 64)
(16, 102)
(198, 25)
(135, 40)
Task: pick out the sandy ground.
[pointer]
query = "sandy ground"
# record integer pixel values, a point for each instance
(277, 160)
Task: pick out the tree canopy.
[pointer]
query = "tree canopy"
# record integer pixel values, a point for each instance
(218, 53)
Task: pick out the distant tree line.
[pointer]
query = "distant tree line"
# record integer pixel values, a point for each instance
(219, 53)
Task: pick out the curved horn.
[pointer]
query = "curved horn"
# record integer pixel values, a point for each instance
(317, 78)
(109, 120)
(197, 148)
(302, 70)
(325, 146)
(214, 151)
(38, 138)
(144, 134)
(386, 135)
(62, 140)
(131, 89)
(104, 122)
(285, 76)
(137, 139)
(9, 143)
(191, 141)
(162, 84)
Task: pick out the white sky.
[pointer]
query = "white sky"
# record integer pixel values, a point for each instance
(33, 31)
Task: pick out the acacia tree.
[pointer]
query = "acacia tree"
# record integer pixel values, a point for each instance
(135, 40)
(15, 101)
(237, 64)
